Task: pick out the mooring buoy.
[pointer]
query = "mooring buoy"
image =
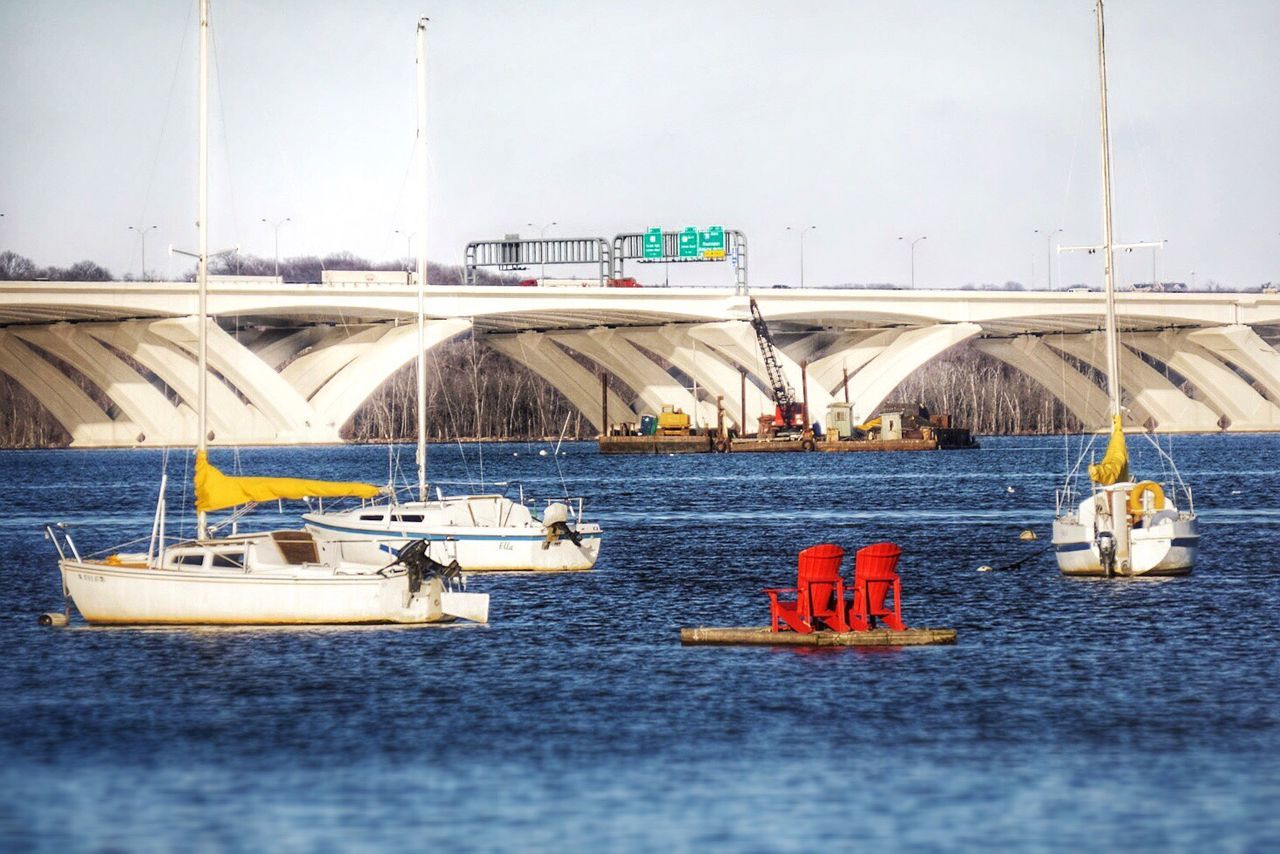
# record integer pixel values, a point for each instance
(53, 618)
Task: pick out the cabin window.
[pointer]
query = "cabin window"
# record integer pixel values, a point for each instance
(233, 559)
(408, 517)
(191, 560)
(373, 517)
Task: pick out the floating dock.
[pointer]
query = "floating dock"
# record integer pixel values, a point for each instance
(762, 636)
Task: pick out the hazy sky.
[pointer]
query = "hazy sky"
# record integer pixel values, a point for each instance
(973, 123)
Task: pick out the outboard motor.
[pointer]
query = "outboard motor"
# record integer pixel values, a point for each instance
(419, 564)
(555, 521)
(1107, 552)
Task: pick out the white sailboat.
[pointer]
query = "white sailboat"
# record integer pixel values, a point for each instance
(277, 577)
(1123, 527)
(479, 532)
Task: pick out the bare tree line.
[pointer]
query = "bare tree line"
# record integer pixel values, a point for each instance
(302, 268)
(16, 268)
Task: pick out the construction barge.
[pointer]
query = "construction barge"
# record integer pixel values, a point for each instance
(899, 427)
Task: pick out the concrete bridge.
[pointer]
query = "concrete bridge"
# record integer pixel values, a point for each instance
(293, 362)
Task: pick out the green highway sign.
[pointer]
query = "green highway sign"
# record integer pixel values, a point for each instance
(689, 243)
(711, 243)
(653, 243)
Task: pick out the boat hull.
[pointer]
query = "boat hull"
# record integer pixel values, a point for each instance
(1167, 549)
(476, 549)
(107, 594)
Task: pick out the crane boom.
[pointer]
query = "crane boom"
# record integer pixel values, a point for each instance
(784, 397)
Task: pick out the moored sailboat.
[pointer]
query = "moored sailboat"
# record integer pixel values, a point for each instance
(276, 577)
(480, 533)
(1123, 527)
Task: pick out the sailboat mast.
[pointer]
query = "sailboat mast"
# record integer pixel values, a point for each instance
(1113, 343)
(202, 263)
(422, 261)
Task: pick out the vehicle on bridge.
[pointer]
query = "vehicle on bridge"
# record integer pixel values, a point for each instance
(625, 282)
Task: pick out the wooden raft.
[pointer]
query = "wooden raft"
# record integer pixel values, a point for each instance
(761, 636)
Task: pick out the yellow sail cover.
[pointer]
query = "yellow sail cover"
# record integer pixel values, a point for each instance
(1114, 467)
(216, 491)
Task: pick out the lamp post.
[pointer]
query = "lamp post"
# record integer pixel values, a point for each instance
(142, 232)
(276, 225)
(802, 233)
(913, 257)
(542, 251)
(408, 244)
(1048, 251)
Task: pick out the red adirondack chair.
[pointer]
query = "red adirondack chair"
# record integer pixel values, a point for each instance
(819, 593)
(874, 574)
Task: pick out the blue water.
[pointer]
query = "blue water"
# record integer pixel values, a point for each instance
(1130, 714)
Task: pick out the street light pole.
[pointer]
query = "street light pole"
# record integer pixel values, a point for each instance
(913, 257)
(802, 233)
(276, 226)
(1048, 251)
(408, 243)
(542, 250)
(142, 232)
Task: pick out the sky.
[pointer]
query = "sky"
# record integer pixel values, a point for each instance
(971, 123)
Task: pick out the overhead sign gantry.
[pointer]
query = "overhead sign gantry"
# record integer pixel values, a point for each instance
(714, 243)
(657, 246)
(512, 253)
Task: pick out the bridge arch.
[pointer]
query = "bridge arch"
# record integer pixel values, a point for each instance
(372, 360)
(1077, 392)
(1244, 408)
(82, 418)
(582, 388)
(139, 401)
(894, 362)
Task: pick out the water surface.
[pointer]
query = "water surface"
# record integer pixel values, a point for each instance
(1071, 713)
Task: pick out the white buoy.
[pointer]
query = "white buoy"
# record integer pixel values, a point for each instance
(984, 568)
(542, 453)
(57, 619)
(1028, 535)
